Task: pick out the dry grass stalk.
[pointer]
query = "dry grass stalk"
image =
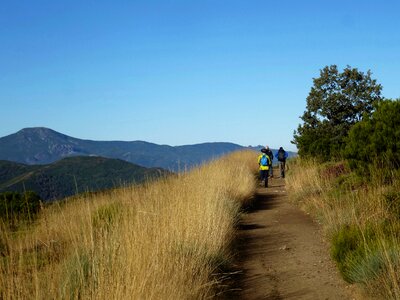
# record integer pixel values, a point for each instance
(161, 240)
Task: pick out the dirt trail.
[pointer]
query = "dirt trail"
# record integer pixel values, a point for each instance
(282, 253)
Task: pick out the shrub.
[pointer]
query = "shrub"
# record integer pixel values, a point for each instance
(349, 182)
(376, 139)
(334, 170)
(359, 253)
(347, 245)
(366, 268)
(351, 246)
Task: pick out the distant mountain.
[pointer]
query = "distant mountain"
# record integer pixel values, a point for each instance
(72, 175)
(43, 146)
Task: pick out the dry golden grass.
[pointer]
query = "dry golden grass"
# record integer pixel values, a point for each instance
(339, 199)
(162, 240)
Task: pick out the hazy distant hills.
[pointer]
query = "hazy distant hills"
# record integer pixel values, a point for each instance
(43, 146)
(70, 175)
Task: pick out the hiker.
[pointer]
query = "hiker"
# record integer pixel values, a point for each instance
(271, 157)
(263, 163)
(282, 155)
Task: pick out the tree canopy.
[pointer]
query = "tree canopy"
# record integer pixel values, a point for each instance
(337, 101)
(376, 139)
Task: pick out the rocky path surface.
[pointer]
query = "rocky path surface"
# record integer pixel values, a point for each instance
(282, 252)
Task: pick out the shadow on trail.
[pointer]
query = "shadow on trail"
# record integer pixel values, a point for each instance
(277, 186)
(249, 226)
(262, 201)
(247, 241)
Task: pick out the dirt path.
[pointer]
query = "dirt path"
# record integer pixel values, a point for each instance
(282, 253)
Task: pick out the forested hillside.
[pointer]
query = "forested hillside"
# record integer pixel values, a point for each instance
(72, 175)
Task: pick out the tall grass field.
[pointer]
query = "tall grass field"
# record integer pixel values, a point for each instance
(361, 217)
(168, 239)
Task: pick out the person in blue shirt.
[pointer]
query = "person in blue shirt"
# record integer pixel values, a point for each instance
(263, 163)
(282, 155)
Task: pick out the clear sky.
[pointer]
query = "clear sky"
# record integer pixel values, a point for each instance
(184, 72)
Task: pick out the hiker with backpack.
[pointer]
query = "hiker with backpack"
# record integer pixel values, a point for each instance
(264, 163)
(282, 155)
(271, 157)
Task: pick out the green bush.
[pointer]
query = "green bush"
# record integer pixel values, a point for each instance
(366, 268)
(349, 248)
(349, 182)
(345, 244)
(376, 139)
(359, 254)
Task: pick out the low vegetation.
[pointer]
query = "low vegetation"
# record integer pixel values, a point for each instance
(360, 216)
(168, 239)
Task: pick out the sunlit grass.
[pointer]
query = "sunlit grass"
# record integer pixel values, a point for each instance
(162, 240)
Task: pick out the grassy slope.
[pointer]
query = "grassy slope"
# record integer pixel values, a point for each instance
(161, 240)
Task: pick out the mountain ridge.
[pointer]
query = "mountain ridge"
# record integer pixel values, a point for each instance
(41, 145)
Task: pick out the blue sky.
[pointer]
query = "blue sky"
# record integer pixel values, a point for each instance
(184, 72)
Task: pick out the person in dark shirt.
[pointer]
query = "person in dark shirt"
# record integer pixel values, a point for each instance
(282, 156)
(271, 157)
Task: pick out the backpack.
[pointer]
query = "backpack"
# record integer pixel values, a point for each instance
(264, 160)
(281, 155)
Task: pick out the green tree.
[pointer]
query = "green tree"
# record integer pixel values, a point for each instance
(376, 139)
(336, 101)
